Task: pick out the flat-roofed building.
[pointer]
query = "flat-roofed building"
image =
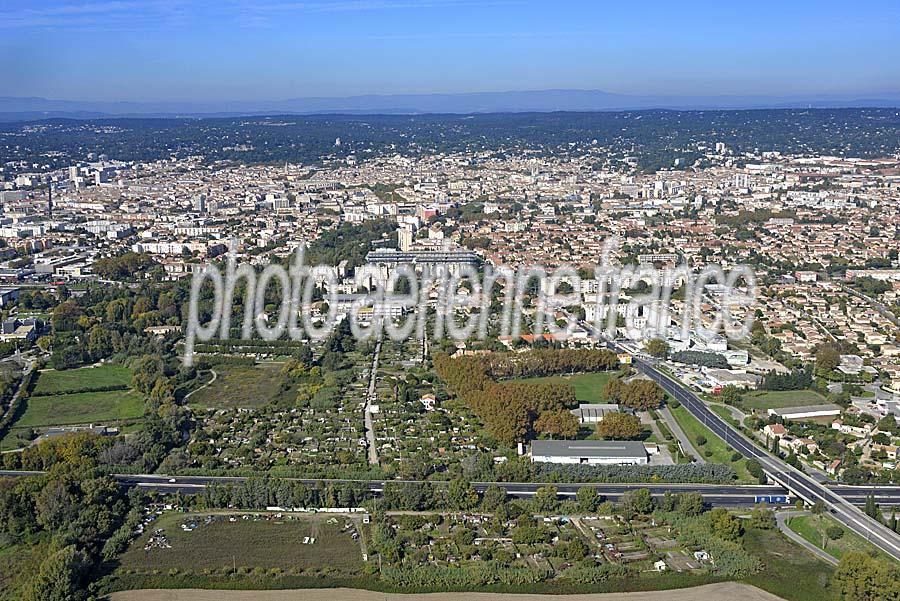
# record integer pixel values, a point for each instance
(590, 452)
(807, 412)
(592, 413)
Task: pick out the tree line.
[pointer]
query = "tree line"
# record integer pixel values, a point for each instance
(515, 411)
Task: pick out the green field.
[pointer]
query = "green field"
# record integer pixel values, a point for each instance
(789, 571)
(81, 408)
(588, 387)
(55, 402)
(775, 399)
(721, 453)
(248, 544)
(812, 528)
(241, 386)
(55, 382)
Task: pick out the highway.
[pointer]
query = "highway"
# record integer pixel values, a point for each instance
(794, 480)
(724, 495)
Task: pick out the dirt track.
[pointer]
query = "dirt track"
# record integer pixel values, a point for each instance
(712, 592)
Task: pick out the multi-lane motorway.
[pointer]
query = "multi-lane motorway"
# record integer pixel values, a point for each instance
(798, 483)
(713, 494)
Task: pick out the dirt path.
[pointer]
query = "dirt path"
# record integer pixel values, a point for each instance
(213, 379)
(711, 592)
(370, 397)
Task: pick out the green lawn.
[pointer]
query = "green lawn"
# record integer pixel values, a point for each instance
(53, 382)
(247, 543)
(812, 528)
(241, 386)
(588, 387)
(81, 408)
(789, 571)
(721, 453)
(775, 399)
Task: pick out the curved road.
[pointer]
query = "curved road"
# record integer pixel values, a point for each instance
(791, 478)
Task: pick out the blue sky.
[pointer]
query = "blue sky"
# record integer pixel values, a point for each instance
(268, 50)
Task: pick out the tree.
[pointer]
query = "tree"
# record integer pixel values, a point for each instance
(494, 497)
(638, 501)
(619, 426)
(576, 550)
(731, 395)
(834, 532)
(871, 509)
(690, 504)
(640, 395)
(862, 578)
(462, 494)
(827, 358)
(587, 499)
(725, 525)
(756, 470)
(58, 577)
(763, 518)
(657, 347)
(557, 423)
(545, 498)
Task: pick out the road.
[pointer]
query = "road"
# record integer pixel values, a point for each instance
(726, 495)
(782, 518)
(687, 445)
(367, 418)
(789, 477)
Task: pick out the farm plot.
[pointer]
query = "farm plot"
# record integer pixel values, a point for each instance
(192, 542)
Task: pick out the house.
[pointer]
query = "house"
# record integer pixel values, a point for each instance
(161, 330)
(660, 566)
(589, 452)
(14, 329)
(857, 431)
(428, 401)
(803, 445)
(889, 450)
(775, 430)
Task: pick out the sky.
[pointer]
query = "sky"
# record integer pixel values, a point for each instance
(165, 50)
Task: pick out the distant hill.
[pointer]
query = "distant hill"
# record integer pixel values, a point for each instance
(21, 108)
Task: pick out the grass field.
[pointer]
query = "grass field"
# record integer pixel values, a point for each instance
(812, 528)
(81, 408)
(55, 402)
(104, 376)
(241, 386)
(790, 571)
(775, 399)
(249, 544)
(721, 453)
(588, 387)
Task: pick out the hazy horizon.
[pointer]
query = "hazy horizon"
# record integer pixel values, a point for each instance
(267, 51)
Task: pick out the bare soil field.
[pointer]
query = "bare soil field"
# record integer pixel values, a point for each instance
(711, 592)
